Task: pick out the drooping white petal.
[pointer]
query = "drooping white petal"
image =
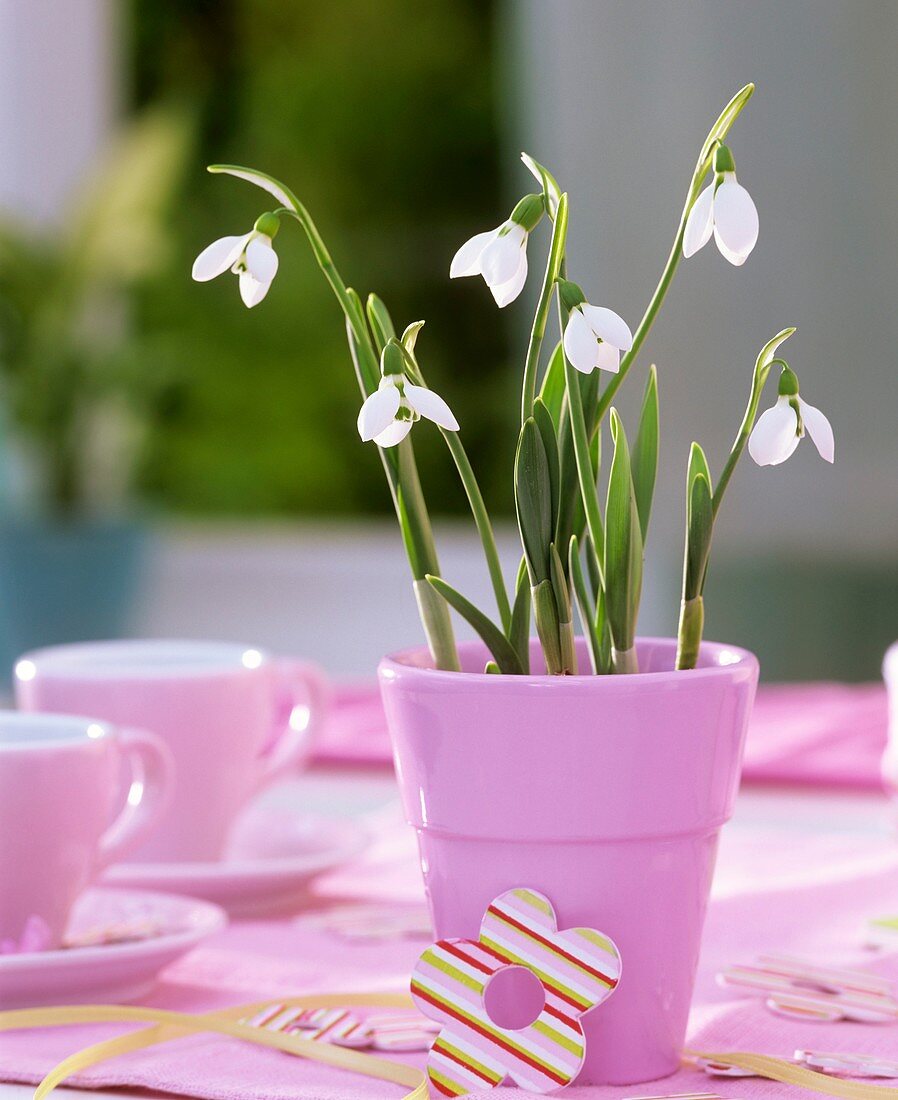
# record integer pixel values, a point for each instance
(377, 413)
(608, 326)
(699, 223)
(608, 358)
(500, 259)
(580, 343)
(507, 292)
(217, 257)
(775, 436)
(396, 432)
(251, 290)
(261, 259)
(819, 429)
(735, 221)
(467, 260)
(431, 405)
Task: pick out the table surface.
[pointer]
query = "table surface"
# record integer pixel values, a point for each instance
(776, 808)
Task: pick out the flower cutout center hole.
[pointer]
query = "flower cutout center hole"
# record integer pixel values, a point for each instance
(514, 998)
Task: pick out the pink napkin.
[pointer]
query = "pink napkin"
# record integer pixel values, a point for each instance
(816, 734)
(810, 896)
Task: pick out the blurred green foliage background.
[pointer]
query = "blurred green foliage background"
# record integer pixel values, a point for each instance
(388, 135)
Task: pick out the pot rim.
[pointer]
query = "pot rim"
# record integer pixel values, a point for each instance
(728, 662)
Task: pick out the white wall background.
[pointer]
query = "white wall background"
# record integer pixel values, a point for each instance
(59, 92)
(617, 96)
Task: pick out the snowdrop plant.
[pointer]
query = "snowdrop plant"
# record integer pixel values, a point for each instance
(582, 546)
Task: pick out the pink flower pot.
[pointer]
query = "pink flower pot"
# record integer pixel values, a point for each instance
(890, 756)
(606, 794)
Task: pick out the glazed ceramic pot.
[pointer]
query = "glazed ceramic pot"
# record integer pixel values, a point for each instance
(604, 793)
(890, 756)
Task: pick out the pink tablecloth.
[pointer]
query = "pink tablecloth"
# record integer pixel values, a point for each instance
(815, 734)
(778, 890)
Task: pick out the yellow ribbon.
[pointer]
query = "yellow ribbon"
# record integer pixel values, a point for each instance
(175, 1025)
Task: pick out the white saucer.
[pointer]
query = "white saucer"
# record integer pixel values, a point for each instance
(114, 971)
(270, 862)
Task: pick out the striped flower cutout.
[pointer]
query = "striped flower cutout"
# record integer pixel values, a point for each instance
(577, 969)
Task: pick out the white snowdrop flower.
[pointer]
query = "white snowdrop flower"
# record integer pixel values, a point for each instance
(725, 209)
(388, 414)
(779, 429)
(594, 336)
(500, 255)
(251, 257)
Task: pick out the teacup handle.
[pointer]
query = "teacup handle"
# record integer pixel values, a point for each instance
(301, 707)
(151, 777)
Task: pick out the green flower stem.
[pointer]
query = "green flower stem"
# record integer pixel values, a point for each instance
(585, 473)
(670, 269)
(689, 632)
(759, 380)
(476, 502)
(718, 132)
(417, 535)
(401, 469)
(692, 612)
(540, 318)
(482, 520)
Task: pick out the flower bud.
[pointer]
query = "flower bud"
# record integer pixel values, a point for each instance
(723, 160)
(269, 224)
(571, 294)
(392, 361)
(528, 212)
(788, 386)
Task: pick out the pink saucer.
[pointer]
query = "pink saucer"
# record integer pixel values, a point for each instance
(267, 870)
(109, 972)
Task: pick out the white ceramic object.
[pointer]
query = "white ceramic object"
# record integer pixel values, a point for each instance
(267, 868)
(109, 973)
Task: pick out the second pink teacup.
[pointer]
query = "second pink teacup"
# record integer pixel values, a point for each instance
(233, 717)
(75, 795)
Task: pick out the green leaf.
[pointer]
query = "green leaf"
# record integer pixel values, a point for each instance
(549, 184)
(571, 514)
(543, 419)
(645, 452)
(380, 321)
(410, 336)
(533, 500)
(261, 179)
(552, 390)
(545, 611)
(491, 668)
(492, 636)
(698, 464)
(603, 633)
(698, 539)
(519, 631)
(585, 606)
(768, 353)
(592, 569)
(623, 543)
(559, 586)
(728, 116)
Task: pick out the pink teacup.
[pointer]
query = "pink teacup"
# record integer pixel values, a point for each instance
(233, 717)
(65, 814)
